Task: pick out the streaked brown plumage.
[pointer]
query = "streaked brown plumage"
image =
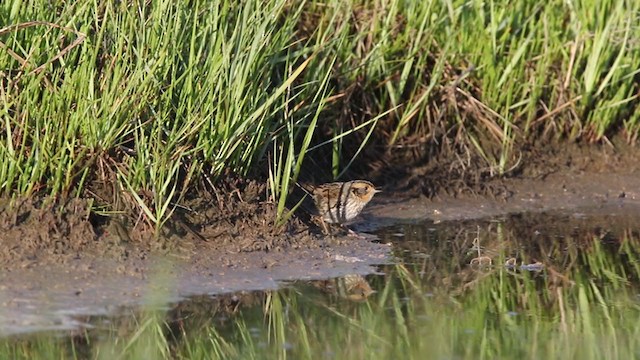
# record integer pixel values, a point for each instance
(341, 202)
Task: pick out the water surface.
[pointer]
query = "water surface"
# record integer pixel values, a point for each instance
(533, 285)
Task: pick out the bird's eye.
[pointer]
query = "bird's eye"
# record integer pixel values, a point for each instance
(360, 191)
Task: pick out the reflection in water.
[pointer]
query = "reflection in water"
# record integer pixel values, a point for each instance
(531, 285)
(351, 287)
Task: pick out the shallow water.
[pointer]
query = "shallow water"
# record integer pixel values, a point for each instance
(551, 284)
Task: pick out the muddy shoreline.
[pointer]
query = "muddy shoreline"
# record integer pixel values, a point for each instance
(55, 296)
(587, 190)
(52, 296)
(60, 263)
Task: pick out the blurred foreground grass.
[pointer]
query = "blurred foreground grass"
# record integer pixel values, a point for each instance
(152, 98)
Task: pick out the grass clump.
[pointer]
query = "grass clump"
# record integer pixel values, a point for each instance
(154, 97)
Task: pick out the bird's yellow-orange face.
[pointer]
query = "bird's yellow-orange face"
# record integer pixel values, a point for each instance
(363, 190)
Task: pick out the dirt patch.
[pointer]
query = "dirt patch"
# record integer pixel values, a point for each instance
(235, 218)
(239, 217)
(32, 229)
(459, 172)
(58, 296)
(558, 191)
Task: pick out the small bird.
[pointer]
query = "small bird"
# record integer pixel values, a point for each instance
(341, 202)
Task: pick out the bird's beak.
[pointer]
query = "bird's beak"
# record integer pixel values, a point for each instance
(375, 191)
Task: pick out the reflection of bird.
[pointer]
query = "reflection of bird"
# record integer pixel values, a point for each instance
(351, 287)
(354, 287)
(340, 202)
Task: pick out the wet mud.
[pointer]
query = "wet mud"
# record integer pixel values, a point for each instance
(60, 263)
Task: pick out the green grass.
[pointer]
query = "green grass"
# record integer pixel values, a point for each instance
(154, 96)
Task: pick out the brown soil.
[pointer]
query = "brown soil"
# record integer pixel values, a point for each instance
(33, 229)
(236, 218)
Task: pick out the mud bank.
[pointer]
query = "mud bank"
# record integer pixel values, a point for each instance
(57, 296)
(60, 263)
(586, 191)
(53, 295)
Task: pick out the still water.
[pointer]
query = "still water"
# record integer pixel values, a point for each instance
(535, 285)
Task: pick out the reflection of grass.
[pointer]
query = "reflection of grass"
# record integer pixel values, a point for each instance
(587, 309)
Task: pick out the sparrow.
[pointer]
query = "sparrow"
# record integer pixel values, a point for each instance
(341, 202)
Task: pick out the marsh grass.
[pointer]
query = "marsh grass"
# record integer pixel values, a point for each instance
(154, 98)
